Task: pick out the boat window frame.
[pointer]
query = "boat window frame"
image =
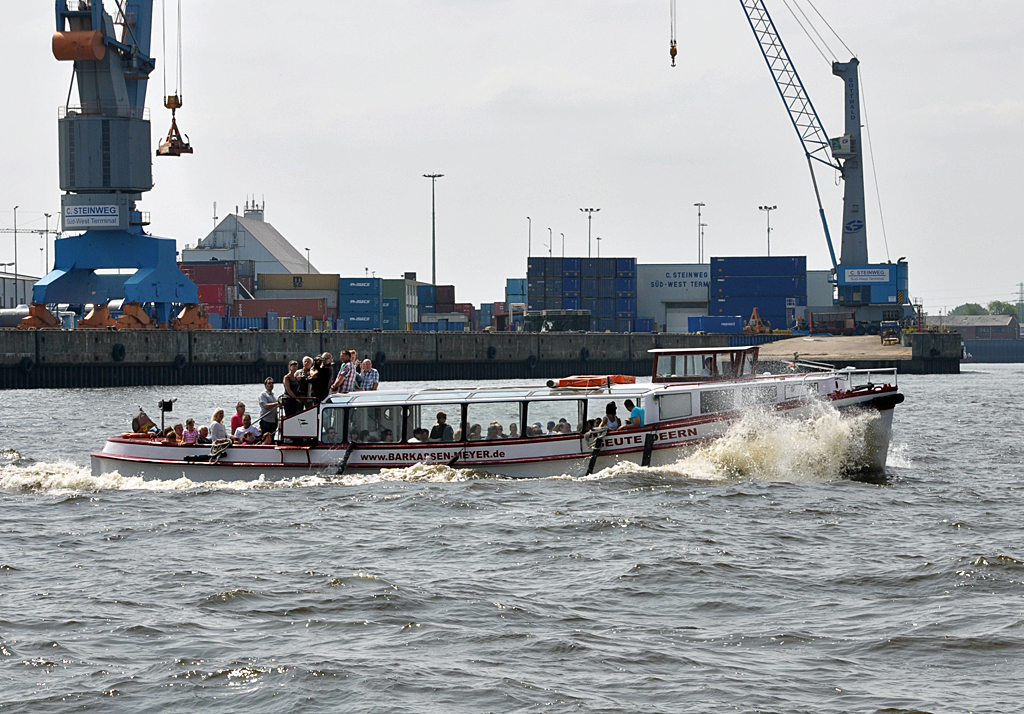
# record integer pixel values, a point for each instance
(581, 411)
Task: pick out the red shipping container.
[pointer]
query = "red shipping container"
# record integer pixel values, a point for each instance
(212, 308)
(444, 307)
(444, 294)
(285, 307)
(210, 273)
(500, 308)
(211, 294)
(465, 308)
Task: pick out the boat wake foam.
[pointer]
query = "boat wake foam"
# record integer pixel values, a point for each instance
(822, 445)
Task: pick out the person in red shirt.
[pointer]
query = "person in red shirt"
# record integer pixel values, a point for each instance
(236, 419)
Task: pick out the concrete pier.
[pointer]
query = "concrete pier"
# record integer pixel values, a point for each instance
(110, 358)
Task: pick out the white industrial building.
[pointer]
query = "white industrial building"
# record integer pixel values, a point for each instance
(672, 292)
(249, 238)
(16, 291)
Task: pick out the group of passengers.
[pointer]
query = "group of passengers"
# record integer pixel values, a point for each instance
(611, 419)
(303, 388)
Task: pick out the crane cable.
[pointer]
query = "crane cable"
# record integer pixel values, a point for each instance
(178, 83)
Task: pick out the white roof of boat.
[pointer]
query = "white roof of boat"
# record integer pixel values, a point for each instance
(701, 350)
(486, 394)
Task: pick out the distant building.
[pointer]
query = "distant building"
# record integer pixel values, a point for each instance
(250, 241)
(978, 327)
(672, 293)
(16, 291)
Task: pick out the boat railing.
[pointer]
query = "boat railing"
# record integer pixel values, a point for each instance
(869, 378)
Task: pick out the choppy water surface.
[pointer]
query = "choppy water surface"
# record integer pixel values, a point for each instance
(751, 576)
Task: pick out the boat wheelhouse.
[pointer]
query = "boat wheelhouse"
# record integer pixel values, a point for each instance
(531, 431)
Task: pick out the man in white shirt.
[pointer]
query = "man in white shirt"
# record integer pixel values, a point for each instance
(247, 433)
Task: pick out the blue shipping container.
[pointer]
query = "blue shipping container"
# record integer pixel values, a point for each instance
(536, 304)
(606, 288)
(604, 324)
(643, 324)
(516, 286)
(552, 267)
(553, 303)
(590, 268)
(625, 267)
(535, 267)
(571, 267)
(570, 285)
(625, 287)
(391, 323)
(761, 286)
(425, 294)
(391, 305)
(606, 267)
(571, 303)
(552, 287)
(358, 303)
(359, 286)
(535, 286)
(759, 266)
(605, 308)
(588, 287)
(625, 305)
(456, 327)
(623, 325)
(357, 321)
(716, 325)
(589, 304)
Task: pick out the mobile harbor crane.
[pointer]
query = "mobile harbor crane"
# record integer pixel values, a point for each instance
(106, 166)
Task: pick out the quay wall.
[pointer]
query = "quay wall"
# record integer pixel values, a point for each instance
(110, 358)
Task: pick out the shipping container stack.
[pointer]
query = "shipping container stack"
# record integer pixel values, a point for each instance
(486, 313)
(776, 286)
(287, 288)
(216, 281)
(605, 287)
(360, 303)
(444, 296)
(427, 302)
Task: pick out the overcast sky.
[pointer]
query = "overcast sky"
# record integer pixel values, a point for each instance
(332, 111)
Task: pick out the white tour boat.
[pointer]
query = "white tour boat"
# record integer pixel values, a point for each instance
(694, 396)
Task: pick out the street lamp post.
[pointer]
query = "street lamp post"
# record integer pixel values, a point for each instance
(700, 246)
(551, 242)
(768, 214)
(599, 246)
(47, 243)
(307, 261)
(563, 245)
(16, 255)
(433, 228)
(700, 234)
(529, 237)
(590, 219)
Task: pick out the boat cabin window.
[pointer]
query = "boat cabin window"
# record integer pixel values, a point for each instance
(375, 425)
(690, 365)
(704, 366)
(717, 400)
(493, 420)
(551, 417)
(331, 425)
(427, 417)
(672, 406)
(760, 396)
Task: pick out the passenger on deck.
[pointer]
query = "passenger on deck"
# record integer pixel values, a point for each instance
(513, 431)
(476, 432)
(204, 435)
(636, 414)
(371, 377)
(246, 433)
(492, 432)
(346, 379)
(536, 429)
(290, 398)
(563, 427)
(217, 429)
(551, 427)
(191, 435)
(179, 432)
(442, 431)
(268, 408)
(169, 437)
(387, 436)
(323, 375)
(611, 420)
(419, 436)
(236, 418)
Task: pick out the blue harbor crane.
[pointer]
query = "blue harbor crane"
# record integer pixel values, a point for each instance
(874, 292)
(106, 166)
